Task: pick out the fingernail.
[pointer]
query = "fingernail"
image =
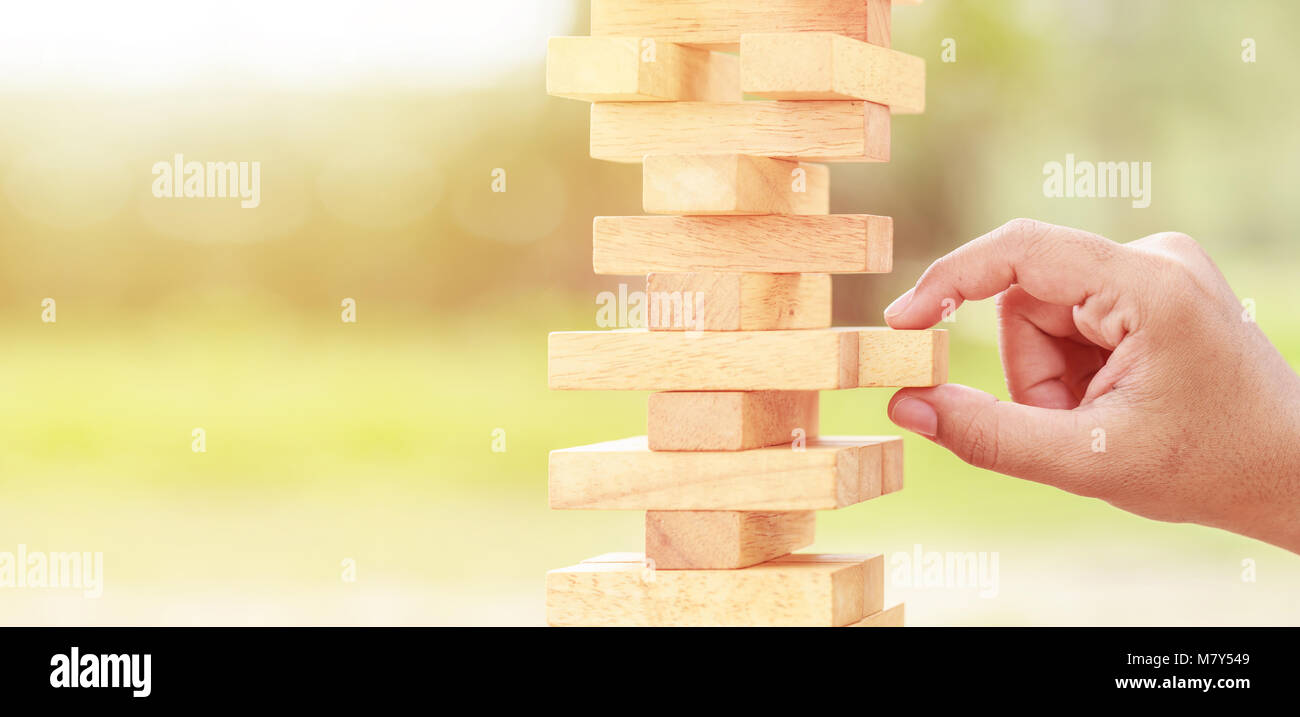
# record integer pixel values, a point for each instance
(900, 304)
(915, 415)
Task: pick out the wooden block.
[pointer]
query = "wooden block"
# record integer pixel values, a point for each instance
(873, 598)
(828, 130)
(879, 24)
(822, 66)
(792, 591)
(630, 69)
(794, 360)
(891, 466)
(733, 184)
(830, 472)
(902, 358)
(892, 617)
(729, 420)
(723, 539)
(737, 302)
(641, 360)
(720, 23)
(835, 244)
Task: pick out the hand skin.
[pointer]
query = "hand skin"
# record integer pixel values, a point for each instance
(1143, 340)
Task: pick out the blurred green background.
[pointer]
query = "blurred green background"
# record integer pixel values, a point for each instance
(378, 127)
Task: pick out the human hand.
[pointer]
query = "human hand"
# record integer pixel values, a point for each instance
(1145, 341)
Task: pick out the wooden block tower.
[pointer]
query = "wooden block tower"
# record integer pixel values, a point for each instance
(737, 256)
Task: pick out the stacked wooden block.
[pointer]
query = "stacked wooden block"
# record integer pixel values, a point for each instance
(739, 337)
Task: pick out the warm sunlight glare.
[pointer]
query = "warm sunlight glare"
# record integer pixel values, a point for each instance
(314, 42)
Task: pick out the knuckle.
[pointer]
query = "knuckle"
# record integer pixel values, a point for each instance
(1037, 239)
(1024, 226)
(1020, 230)
(1182, 273)
(1179, 248)
(1181, 243)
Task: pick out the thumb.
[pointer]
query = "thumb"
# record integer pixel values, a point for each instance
(1047, 445)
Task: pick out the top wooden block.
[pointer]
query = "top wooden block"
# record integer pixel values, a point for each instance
(630, 69)
(718, 24)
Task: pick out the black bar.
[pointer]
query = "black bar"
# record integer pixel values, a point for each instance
(331, 666)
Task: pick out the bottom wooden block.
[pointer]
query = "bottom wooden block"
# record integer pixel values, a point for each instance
(620, 590)
(723, 539)
(892, 617)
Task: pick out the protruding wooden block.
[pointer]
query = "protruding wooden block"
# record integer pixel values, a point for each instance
(792, 591)
(902, 358)
(733, 184)
(890, 617)
(730, 420)
(630, 69)
(796, 360)
(829, 472)
(834, 244)
(723, 539)
(737, 302)
(720, 23)
(823, 66)
(818, 130)
(640, 360)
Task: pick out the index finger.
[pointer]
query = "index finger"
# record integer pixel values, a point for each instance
(1055, 264)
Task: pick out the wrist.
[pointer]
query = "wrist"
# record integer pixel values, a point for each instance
(1276, 519)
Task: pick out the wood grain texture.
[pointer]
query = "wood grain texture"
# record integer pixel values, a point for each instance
(723, 539)
(641, 360)
(822, 66)
(733, 184)
(818, 130)
(793, 360)
(889, 617)
(729, 420)
(625, 69)
(879, 24)
(902, 358)
(711, 301)
(720, 23)
(791, 591)
(834, 244)
(891, 467)
(831, 472)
